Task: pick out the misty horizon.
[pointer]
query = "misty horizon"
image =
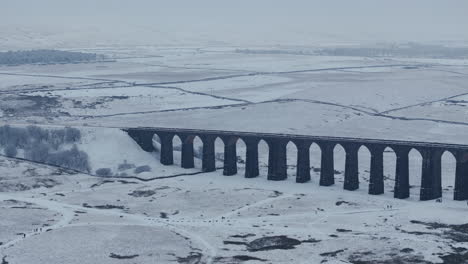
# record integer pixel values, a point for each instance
(235, 23)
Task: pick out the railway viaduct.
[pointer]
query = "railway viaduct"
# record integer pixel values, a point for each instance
(431, 182)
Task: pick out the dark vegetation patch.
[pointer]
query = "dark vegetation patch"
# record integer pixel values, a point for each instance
(116, 256)
(237, 259)
(456, 257)
(141, 169)
(275, 194)
(104, 172)
(111, 181)
(247, 258)
(45, 182)
(341, 230)
(332, 253)
(4, 261)
(459, 256)
(457, 233)
(105, 206)
(45, 56)
(120, 97)
(343, 202)
(125, 166)
(406, 50)
(27, 184)
(142, 193)
(163, 215)
(22, 105)
(243, 236)
(229, 242)
(13, 187)
(101, 183)
(193, 258)
(311, 240)
(272, 242)
(393, 260)
(407, 250)
(127, 182)
(417, 233)
(45, 146)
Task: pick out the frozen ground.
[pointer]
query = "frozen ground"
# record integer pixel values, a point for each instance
(170, 215)
(208, 218)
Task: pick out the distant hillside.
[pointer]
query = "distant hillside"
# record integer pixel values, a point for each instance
(44, 57)
(409, 50)
(405, 50)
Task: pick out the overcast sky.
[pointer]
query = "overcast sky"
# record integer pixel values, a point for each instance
(275, 21)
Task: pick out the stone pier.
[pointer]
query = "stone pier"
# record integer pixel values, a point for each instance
(431, 153)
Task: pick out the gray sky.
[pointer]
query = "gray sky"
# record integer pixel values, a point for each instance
(251, 21)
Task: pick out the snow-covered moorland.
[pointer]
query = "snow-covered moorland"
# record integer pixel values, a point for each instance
(124, 207)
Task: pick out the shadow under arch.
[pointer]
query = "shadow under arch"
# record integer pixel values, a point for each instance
(448, 173)
(367, 159)
(315, 156)
(389, 168)
(339, 159)
(197, 150)
(241, 147)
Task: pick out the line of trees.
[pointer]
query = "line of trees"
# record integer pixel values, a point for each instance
(408, 50)
(411, 50)
(49, 146)
(44, 57)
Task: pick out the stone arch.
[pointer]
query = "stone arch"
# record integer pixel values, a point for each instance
(415, 157)
(177, 149)
(364, 164)
(177, 141)
(263, 150)
(315, 156)
(389, 168)
(197, 150)
(219, 150)
(339, 158)
(448, 173)
(348, 155)
(241, 147)
(156, 141)
(291, 157)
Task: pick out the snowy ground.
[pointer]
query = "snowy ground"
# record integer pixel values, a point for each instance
(173, 215)
(208, 218)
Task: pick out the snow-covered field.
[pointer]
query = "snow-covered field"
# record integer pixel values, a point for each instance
(171, 215)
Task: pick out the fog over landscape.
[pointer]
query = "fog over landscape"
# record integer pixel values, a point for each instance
(232, 132)
(212, 22)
